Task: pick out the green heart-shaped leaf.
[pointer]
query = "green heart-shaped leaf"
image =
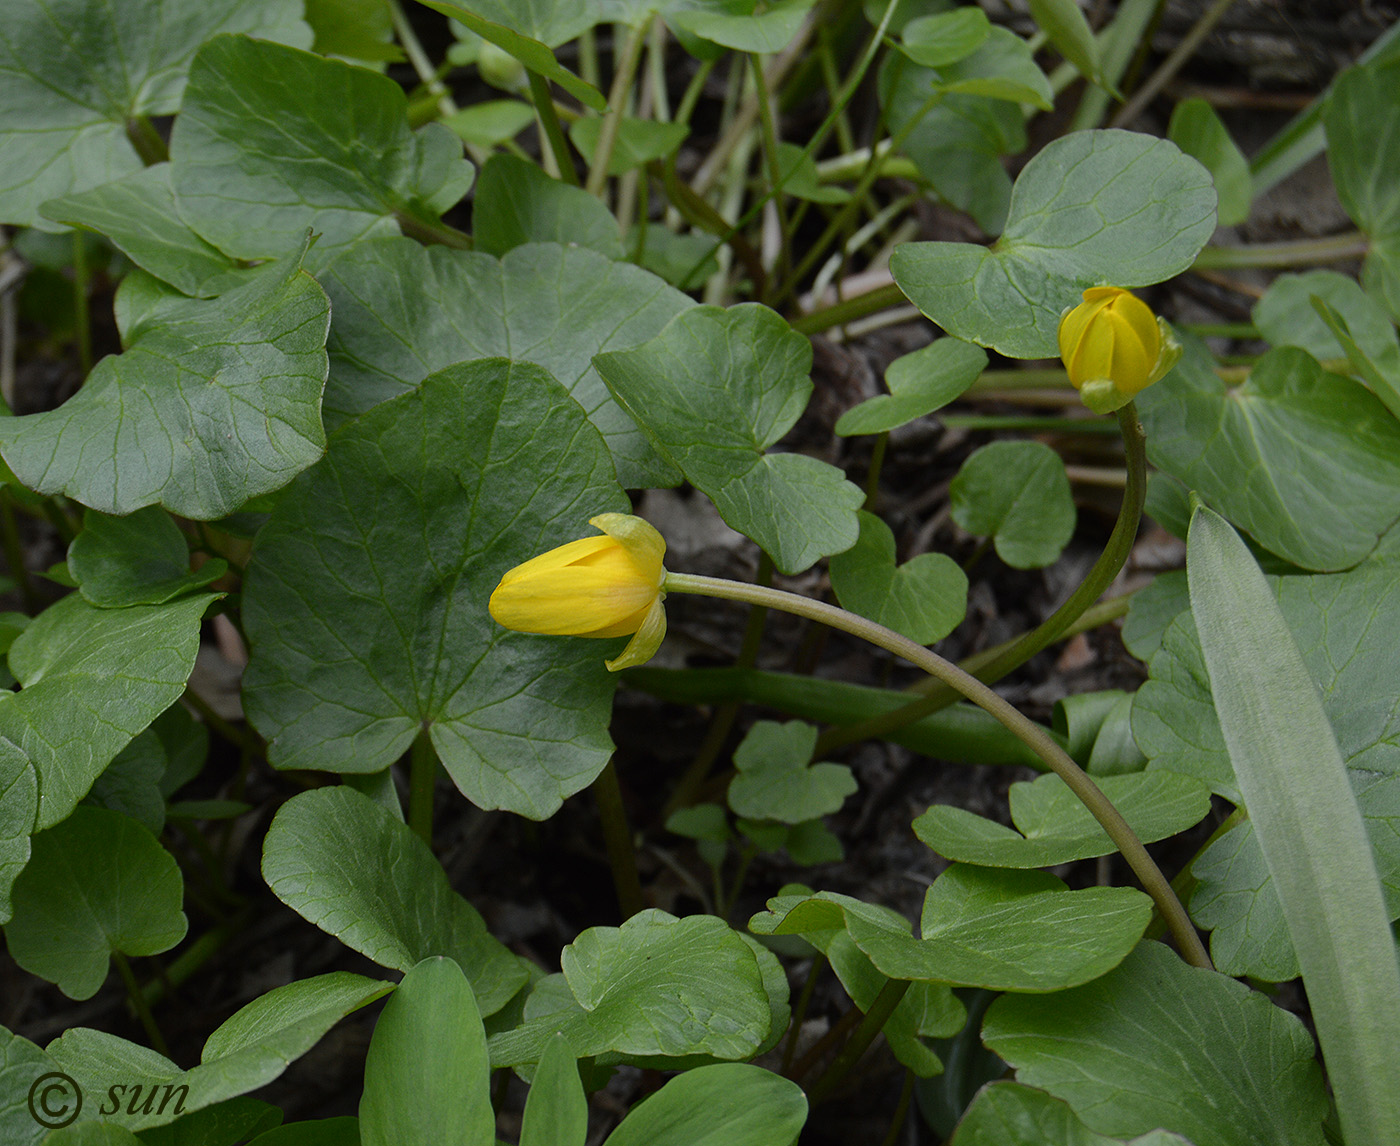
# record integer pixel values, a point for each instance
(1016, 493)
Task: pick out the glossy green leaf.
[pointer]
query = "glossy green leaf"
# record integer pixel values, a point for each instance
(501, 29)
(271, 141)
(556, 1111)
(656, 988)
(72, 73)
(1332, 620)
(427, 1075)
(138, 214)
(638, 142)
(1091, 206)
(1197, 130)
(21, 1063)
(551, 22)
(252, 1048)
(957, 142)
(216, 403)
(1381, 273)
(1053, 827)
(981, 927)
(356, 29)
(403, 311)
(1308, 462)
(375, 568)
(944, 38)
(1009, 1114)
(93, 678)
(726, 1104)
(713, 391)
(1306, 821)
(130, 784)
(1135, 1050)
(1016, 493)
(744, 25)
(776, 779)
(1066, 27)
(925, 598)
(72, 913)
(919, 383)
(19, 803)
(1002, 67)
(1151, 610)
(517, 203)
(361, 874)
(142, 559)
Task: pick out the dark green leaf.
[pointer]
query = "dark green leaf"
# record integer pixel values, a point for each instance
(945, 38)
(356, 871)
(216, 403)
(726, 1104)
(1197, 130)
(141, 559)
(517, 203)
(271, 141)
(97, 884)
(1008, 1114)
(1091, 206)
(639, 141)
(713, 390)
(919, 383)
(403, 311)
(776, 779)
(1137, 1049)
(1017, 494)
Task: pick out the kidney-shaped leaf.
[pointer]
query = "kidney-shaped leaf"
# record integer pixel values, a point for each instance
(218, 402)
(73, 73)
(713, 391)
(1053, 826)
(96, 884)
(1308, 462)
(657, 986)
(1092, 207)
(403, 311)
(360, 873)
(365, 602)
(920, 382)
(271, 140)
(1016, 493)
(1137, 1049)
(776, 779)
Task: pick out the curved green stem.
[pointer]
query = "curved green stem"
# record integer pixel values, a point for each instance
(874, 1022)
(964, 684)
(1018, 652)
(550, 128)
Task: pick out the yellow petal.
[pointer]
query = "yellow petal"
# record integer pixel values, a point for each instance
(638, 537)
(574, 600)
(642, 647)
(557, 558)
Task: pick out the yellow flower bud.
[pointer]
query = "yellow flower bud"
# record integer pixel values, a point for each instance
(605, 586)
(1113, 346)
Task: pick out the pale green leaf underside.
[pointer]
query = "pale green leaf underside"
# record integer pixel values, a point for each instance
(365, 602)
(1054, 827)
(215, 404)
(402, 311)
(1093, 207)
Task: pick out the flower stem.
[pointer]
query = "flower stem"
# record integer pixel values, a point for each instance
(549, 125)
(422, 773)
(874, 1022)
(1328, 249)
(137, 998)
(624, 69)
(617, 837)
(1026, 730)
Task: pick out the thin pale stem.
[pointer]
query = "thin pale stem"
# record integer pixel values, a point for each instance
(617, 837)
(549, 126)
(966, 685)
(1171, 65)
(624, 71)
(417, 57)
(775, 174)
(422, 777)
(848, 310)
(1303, 252)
